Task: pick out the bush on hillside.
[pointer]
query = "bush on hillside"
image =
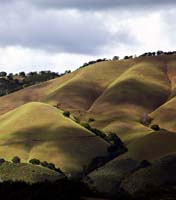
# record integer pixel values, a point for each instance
(113, 138)
(91, 120)
(99, 133)
(155, 127)
(51, 166)
(77, 120)
(146, 119)
(86, 125)
(16, 160)
(66, 113)
(2, 74)
(115, 58)
(144, 164)
(2, 160)
(44, 164)
(34, 161)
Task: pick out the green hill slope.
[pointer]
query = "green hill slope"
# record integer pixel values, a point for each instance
(27, 173)
(152, 146)
(37, 130)
(114, 93)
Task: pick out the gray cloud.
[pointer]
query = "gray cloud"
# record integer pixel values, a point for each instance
(56, 31)
(99, 4)
(91, 4)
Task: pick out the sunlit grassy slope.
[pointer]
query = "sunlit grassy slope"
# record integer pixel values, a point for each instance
(38, 130)
(77, 90)
(115, 93)
(166, 114)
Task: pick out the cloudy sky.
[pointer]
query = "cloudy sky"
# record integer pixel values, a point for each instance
(63, 34)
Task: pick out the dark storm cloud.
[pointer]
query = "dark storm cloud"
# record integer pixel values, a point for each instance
(99, 4)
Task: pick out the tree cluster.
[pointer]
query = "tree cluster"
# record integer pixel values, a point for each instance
(93, 62)
(51, 166)
(12, 82)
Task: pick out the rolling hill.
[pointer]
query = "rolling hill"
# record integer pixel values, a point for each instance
(116, 94)
(28, 173)
(38, 130)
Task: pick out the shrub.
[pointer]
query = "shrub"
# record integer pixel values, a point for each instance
(2, 160)
(34, 161)
(58, 170)
(115, 140)
(115, 58)
(16, 160)
(144, 163)
(91, 120)
(98, 133)
(44, 164)
(51, 166)
(146, 119)
(77, 120)
(86, 125)
(66, 113)
(155, 127)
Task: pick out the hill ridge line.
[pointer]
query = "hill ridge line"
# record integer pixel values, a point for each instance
(107, 87)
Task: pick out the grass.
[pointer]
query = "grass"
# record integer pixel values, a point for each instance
(116, 94)
(152, 146)
(165, 115)
(160, 173)
(107, 178)
(38, 130)
(27, 173)
(140, 89)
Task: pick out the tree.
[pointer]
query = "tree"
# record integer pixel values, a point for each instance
(115, 58)
(34, 161)
(155, 127)
(3, 74)
(22, 74)
(91, 120)
(2, 160)
(16, 160)
(51, 166)
(10, 76)
(66, 113)
(44, 164)
(115, 140)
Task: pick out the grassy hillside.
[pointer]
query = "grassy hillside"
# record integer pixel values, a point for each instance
(116, 94)
(77, 90)
(27, 173)
(166, 114)
(152, 146)
(107, 179)
(161, 172)
(38, 130)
